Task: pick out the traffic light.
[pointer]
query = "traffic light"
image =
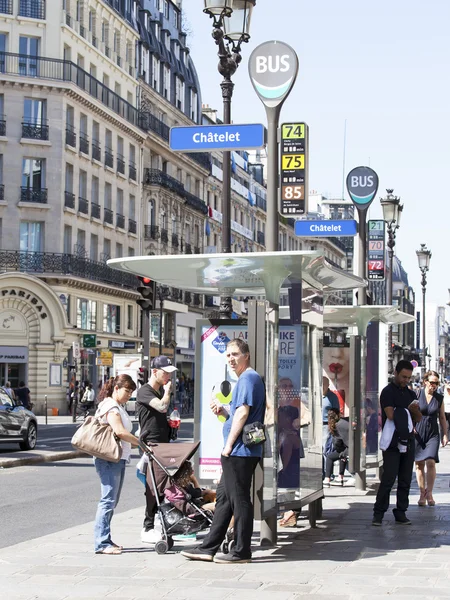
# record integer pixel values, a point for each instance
(147, 290)
(142, 375)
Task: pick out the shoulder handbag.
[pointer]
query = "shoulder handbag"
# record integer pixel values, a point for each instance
(254, 434)
(98, 439)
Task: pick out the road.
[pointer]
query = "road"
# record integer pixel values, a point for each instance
(48, 497)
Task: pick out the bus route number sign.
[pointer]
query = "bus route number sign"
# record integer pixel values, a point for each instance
(294, 169)
(376, 250)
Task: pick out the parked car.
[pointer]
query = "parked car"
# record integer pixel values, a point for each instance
(17, 424)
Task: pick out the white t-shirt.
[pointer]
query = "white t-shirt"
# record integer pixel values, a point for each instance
(446, 400)
(110, 405)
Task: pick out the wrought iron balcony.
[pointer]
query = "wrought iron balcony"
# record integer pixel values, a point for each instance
(108, 216)
(175, 242)
(261, 203)
(2, 125)
(36, 195)
(120, 164)
(83, 206)
(95, 210)
(203, 159)
(188, 249)
(187, 297)
(96, 151)
(164, 236)
(132, 226)
(34, 9)
(151, 232)
(108, 51)
(197, 300)
(35, 130)
(132, 171)
(196, 250)
(151, 123)
(120, 221)
(71, 136)
(6, 7)
(2, 191)
(84, 143)
(69, 200)
(109, 158)
(261, 238)
(196, 203)
(64, 264)
(157, 177)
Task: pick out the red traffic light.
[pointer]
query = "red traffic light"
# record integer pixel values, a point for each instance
(145, 280)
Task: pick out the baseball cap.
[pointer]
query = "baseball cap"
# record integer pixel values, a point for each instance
(164, 363)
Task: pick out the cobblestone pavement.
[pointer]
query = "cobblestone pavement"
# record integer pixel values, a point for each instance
(344, 557)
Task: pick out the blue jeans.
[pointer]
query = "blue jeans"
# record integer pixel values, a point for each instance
(111, 480)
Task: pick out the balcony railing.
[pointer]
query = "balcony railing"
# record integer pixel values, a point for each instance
(120, 221)
(132, 171)
(109, 158)
(2, 191)
(164, 236)
(34, 9)
(187, 297)
(83, 205)
(2, 125)
(64, 264)
(96, 151)
(35, 130)
(197, 300)
(6, 7)
(65, 70)
(261, 203)
(69, 200)
(37, 195)
(84, 143)
(196, 250)
(132, 226)
(71, 136)
(152, 123)
(120, 164)
(151, 232)
(108, 216)
(195, 203)
(95, 210)
(203, 159)
(261, 238)
(188, 249)
(175, 242)
(157, 177)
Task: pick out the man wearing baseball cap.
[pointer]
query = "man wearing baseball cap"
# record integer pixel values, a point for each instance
(152, 402)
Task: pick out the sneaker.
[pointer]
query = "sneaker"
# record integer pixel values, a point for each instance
(225, 559)
(401, 518)
(197, 554)
(185, 536)
(377, 521)
(151, 536)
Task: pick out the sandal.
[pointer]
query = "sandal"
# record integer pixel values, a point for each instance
(116, 546)
(110, 550)
(289, 522)
(423, 498)
(430, 500)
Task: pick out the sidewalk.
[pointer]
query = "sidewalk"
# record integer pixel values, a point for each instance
(344, 557)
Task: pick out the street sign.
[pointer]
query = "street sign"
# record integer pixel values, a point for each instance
(326, 228)
(294, 169)
(104, 358)
(362, 186)
(89, 340)
(273, 68)
(217, 137)
(376, 250)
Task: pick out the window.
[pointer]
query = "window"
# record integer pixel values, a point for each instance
(156, 75)
(108, 140)
(119, 250)
(95, 132)
(33, 175)
(95, 195)
(93, 252)
(29, 51)
(131, 252)
(86, 314)
(132, 210)
(129, 316)
(111, 318)
(34, 111)
(166, 9)
(119, 202)
(179, 93)
(107, 248)
(116, 42)
(82, 185)
(70, 117)
(31, 236)
(81, 242)
(105, 32)
(67, 249)
(69, 178)
(166, 82)
(194, 106)
(157, 31)
(108, 196)
(92, 22)
(174, 225)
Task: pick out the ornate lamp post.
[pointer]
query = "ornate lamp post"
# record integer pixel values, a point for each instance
(392, 210)
(424, 257)
(231, 25)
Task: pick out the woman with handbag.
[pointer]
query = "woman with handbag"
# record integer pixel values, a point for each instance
(114, 395)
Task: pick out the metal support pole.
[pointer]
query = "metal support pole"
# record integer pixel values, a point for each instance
(424, 349)
(362, 242)
(161, 303)
(273, 120)
(45, 408)
(146, 338)
(389, 290)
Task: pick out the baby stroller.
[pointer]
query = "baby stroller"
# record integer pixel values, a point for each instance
(164, 462)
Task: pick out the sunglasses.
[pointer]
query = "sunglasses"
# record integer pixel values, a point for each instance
(433, 382)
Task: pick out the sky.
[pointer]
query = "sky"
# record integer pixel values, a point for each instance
(383, 68)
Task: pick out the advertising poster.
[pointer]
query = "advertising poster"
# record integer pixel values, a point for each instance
(127, 364)
(336, 366)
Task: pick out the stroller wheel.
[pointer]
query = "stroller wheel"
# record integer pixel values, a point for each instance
(161, 547)
(170, 543)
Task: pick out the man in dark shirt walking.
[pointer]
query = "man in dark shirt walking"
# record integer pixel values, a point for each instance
(152, 402)
(396, 464)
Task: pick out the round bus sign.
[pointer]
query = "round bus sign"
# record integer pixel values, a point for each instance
(273, 68)
(414, 363)
(362, 186)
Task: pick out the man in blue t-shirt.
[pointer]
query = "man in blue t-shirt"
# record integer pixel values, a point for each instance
(248, 404)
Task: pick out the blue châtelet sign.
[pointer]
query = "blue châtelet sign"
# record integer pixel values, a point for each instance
(325, 228)
(217, 137)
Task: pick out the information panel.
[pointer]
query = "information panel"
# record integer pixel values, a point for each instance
(376, 250)
(294, 169)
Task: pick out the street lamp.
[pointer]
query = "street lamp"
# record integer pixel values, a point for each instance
(392, 211)
(231, 25)
(424, 257)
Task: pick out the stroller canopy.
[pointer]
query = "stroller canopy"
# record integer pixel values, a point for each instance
(172, 456)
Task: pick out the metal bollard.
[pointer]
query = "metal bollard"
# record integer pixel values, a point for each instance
(45, 408)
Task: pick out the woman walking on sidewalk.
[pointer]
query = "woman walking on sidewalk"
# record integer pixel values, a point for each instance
(427, 437)
(114, 395)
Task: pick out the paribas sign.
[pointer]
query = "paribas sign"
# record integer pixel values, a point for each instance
(273, 68)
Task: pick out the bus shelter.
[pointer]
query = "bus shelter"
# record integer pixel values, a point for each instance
(287, 355)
